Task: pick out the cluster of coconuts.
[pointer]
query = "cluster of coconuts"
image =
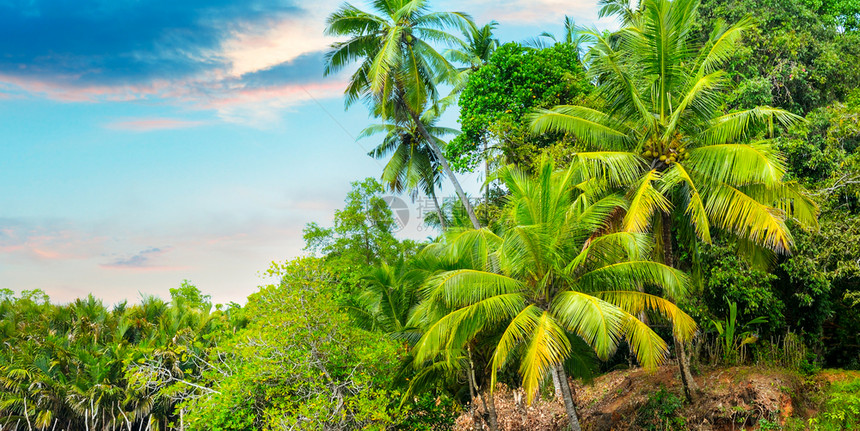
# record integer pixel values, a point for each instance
(668, 153)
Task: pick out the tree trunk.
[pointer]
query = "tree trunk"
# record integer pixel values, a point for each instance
(690, 386)
(473, 390)
(556, 384)
(567, 395)
(438, 212)
(445, 167)
(491, 410)
(486, 183)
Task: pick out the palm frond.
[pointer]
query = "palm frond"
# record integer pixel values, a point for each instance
(738, 164)
(589, 125)
(630, 275)
(597, 322)
(737, 126)
(732, 210)
(467, 286)
(723, 44)
(645, 201)
(547, 347)
(695, 207)
(635, 303)
(460, 326)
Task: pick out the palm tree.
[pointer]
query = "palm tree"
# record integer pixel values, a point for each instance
(557, 272)
(391, 291)
(479, 45)
(620, 8)
(680, 156)
(572, 37)
(474, 51)
(413, 166)
(398, 68)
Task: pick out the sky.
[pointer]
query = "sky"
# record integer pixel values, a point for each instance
(145, 142)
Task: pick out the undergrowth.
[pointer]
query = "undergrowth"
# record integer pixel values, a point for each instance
(841, 410)
(660, 412)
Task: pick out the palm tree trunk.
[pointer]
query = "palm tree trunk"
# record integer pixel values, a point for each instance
(439, 212)
(491, 411)
(445, 166)
(556, 384)
(486, 183)
(690, 386)
(473, 390)
(489, 407)
(567, 395)
(27, 415)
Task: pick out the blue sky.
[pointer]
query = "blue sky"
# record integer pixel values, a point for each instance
(149, 141)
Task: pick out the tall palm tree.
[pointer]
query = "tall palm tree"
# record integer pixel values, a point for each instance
(558, 271)
(412, 166)
(398, 69)
(683, 158)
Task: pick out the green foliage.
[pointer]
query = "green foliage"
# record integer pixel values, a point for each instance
(362, 236)
(83, 366)
(662, 112)
(429, 413)
(500, 94)
(299, 363)
(733, 340)
(821, 149)
(815, 281)
(191, 296)
(796, 56)
(764, 424)
(661, 412)
(841, 410)
(730, 279)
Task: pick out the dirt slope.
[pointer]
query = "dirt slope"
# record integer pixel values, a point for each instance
(730, 399)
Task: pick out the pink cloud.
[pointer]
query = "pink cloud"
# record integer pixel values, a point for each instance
(264, 106)
(286, 94)
(151, 124)
(48, 245)
(146, 269)
(58, 90)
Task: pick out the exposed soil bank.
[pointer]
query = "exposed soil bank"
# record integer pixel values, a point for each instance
(730, 399)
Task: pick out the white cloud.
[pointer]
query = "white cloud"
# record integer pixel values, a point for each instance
(259, 47)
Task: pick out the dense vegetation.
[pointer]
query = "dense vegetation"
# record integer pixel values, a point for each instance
(684, 190)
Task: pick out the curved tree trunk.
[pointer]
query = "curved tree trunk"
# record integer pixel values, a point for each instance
(567, 395)
(445, 167)
(690, 386)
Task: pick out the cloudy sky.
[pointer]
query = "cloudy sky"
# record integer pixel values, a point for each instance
(143, 142)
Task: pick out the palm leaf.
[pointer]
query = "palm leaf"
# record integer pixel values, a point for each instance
(644, 202)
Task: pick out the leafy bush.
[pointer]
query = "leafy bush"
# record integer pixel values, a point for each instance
(300, 364)
(841, 410)
(660, 412)
(729, 278)
(501, 93)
